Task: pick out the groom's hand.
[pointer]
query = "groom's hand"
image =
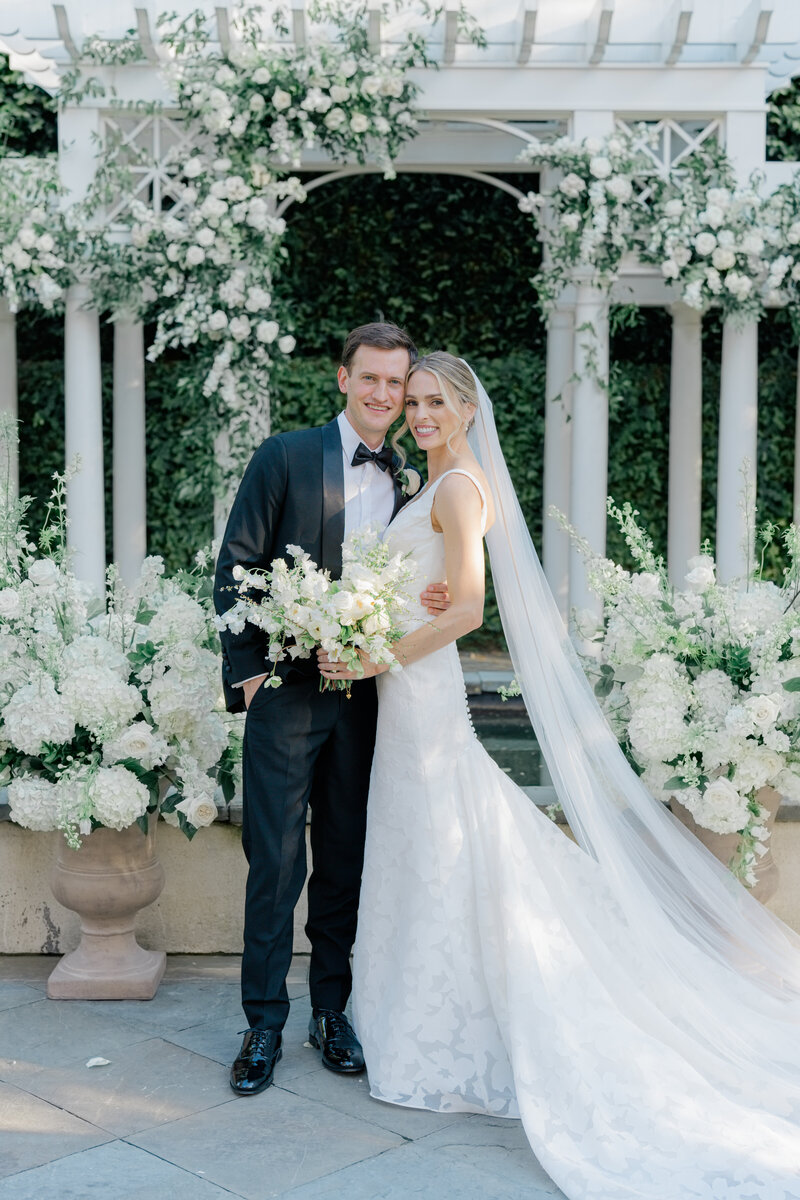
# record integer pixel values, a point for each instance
(436, 598)
(250, 687)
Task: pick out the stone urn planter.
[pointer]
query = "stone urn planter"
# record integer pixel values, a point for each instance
(723, 845)
(113, 875)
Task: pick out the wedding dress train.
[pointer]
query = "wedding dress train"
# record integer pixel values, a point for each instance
(496, 970)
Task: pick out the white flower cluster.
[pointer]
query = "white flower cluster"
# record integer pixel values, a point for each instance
(702, 688)
(32, 266)
(303, 608)
(100, 714)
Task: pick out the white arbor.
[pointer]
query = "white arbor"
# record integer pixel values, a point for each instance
(692, 69)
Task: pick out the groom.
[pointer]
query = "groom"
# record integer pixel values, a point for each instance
(309, 488)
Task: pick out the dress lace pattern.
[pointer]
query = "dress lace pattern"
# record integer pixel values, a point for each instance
(494, 972)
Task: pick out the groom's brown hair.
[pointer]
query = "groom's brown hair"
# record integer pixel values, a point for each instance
(381, 334)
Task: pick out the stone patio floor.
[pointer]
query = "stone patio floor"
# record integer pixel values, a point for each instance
(160, 1121)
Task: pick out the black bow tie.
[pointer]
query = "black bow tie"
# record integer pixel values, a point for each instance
(382, 458)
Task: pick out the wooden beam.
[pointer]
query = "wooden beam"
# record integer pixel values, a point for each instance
(145, 38)
(599, 30)
(682, 15)
(750, 46)
(450, 34)
(526, 27)
(63, 32)
(223, 30)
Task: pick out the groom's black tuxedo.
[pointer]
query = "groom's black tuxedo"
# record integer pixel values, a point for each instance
(301, 746)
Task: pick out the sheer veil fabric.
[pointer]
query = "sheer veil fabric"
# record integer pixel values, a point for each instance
(722, 972)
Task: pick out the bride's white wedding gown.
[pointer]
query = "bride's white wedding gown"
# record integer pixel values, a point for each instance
(495, 973)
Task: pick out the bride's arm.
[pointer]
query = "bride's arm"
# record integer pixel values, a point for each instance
(457, 510)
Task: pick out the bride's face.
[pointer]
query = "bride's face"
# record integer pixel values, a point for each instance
(429, 417)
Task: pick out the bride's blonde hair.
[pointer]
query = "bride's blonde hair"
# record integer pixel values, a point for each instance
(456, 383)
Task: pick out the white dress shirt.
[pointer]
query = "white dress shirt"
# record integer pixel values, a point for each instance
(368, 492)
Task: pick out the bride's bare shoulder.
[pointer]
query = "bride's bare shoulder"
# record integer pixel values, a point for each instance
(457, 485)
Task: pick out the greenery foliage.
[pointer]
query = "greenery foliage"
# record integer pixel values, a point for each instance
(27, 115)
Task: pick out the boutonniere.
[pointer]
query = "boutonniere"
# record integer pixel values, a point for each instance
(410, 481)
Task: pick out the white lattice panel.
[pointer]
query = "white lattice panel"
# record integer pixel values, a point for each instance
(151, 147)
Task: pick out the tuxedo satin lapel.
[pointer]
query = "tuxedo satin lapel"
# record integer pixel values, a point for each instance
(332, 498)
(399, 498)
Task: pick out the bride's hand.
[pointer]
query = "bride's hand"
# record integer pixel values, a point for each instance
(338, 670)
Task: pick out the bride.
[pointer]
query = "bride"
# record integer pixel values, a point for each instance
(624, 996)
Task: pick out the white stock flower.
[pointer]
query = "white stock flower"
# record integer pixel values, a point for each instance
(34, 803)
(117, 797)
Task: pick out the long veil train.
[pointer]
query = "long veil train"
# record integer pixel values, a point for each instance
(722, 970)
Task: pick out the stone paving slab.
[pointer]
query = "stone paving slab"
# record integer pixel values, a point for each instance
(115, 1171)
(143, 1085)
(262, 1146)
(33, 1132)
(160, 1122)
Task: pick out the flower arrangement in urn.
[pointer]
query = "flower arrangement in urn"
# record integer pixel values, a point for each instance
(108, 705)
(702, 685)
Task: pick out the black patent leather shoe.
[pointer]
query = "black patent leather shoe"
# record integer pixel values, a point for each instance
(332, 1033)
(253, 1069)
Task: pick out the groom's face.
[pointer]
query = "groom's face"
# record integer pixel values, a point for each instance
(375, 389)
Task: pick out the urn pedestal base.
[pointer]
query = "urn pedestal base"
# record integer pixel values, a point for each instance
(113, 875)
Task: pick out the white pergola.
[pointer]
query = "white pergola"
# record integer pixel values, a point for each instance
(694, 68)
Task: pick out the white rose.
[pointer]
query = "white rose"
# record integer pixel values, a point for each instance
(257, 103)
(413, 482)
(205, 236)
(359, 123)
(720, 197)
(764, 710)
(193, 167)
(218, 320)
(723, 258)
(45, 244)
(9, 603)
(340, 93)
(280, 99)
(712, 215)
(240, 328)
(673, 208)
(261, 76)
(752, 243)
(286, 344)
(600, 167)
(619, 187)
(195, 255)
(701, 572)
(572, 185)
(721, 808)
(704, 243)
(267, 331)
(199, 811)
(334, 119)
(43, 572)
(670, 269)
(570, 222)
(26, 237)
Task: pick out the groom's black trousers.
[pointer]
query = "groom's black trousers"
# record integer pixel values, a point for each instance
(301, 747)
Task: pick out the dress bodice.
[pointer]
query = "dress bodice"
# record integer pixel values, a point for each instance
(412, 533)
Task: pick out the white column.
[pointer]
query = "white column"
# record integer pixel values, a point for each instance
(685, 440)
(8, 382)
(589, 475)
(129, 454)
(738, 438)
(84, 437)
(557, 452)
(222, 503)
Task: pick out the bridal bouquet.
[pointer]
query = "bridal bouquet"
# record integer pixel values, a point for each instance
(303, 608)
(702, 685)
(109, 707)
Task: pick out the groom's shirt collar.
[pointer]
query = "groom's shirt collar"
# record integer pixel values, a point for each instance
(350, 438)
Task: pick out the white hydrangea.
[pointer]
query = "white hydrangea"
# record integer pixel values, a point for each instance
(99, 699)
(118, 798)
(179, 618)
(34, 803)
(714, 694)
(658, 733)
(95, 651)
(37, 715)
